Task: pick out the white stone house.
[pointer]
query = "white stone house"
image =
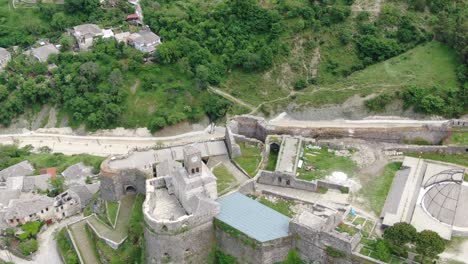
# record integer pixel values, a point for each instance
(85, 35)
(42, 53)
(145, 41)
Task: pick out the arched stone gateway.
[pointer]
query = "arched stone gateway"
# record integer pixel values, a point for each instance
(130, 189)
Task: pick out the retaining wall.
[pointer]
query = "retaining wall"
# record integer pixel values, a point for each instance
(253, 252)
(255, 127)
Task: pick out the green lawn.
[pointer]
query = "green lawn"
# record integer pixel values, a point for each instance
(272, 159)
(376, 189)
(458, 138)
(279, 205)
(112, 209)
(359, 221)
(344, 228)
(224, 178)
(324, 163)
(461, 159)
(251, 157)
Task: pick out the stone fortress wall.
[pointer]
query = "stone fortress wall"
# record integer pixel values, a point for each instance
(259, 128)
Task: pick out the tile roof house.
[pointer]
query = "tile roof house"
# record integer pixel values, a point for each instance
(42, 53)
(85, 35)
(145, 41)
(21, 211)
(77, 173)
(35, 183)
(5, 57)
(23, 168)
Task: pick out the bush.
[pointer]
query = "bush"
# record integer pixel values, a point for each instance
(382, 250)
(221, 258)
(333, 252)
(293, 258)
(378, 103)
(300, 84)
(28, 247)
(344, 189)
(30, 230)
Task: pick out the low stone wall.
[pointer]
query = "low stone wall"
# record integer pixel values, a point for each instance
(285, 180)
(429, 149)
(248, 250)
(459, 123)
(311, 244)
(233, 148)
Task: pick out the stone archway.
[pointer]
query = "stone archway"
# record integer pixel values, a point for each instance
(130, 189)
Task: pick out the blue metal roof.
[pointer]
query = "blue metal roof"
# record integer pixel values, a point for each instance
(252, 218)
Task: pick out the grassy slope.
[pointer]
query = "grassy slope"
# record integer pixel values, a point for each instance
(112, 208)
(424, 66)
(60, 161)
(141, 104)
(376, 189)
(224, 178)
(251, 157)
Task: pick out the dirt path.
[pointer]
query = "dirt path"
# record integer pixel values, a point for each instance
(134, 87)
(231, 98)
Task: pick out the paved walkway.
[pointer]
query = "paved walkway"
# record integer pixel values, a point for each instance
(105, 145)
(47, 252)
(80, 237)
(332, 196)
(119, 234)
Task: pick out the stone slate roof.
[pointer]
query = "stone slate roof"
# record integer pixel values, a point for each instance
(7, 195)
(23, 168)
(83, 193)
(38, 182)
(42, 53)
(89, 30)
(22, 208)
(77, 173)
(252, 218)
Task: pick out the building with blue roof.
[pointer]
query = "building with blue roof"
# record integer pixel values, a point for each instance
(252, 218)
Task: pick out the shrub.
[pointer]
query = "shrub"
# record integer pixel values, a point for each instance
(382, 250)
(300, 84)
(378, 103)
(30, 230)
(333, 252)
(28, 247)
(344, 189)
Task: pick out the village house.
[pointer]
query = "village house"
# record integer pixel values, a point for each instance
(86, 33)
(42, 53)
(145, 41)
(5, 57)
(36, 208)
